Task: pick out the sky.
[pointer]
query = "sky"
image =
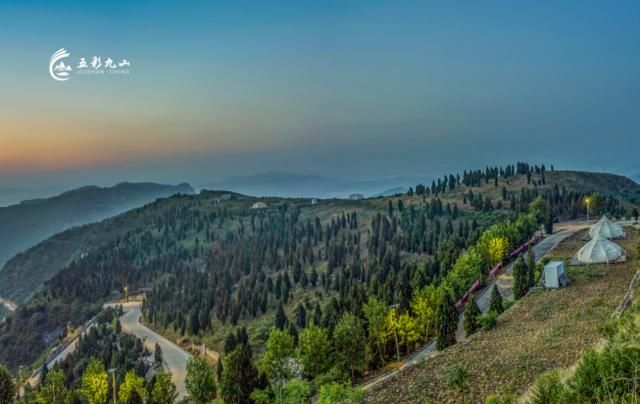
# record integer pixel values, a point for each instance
(349, 89)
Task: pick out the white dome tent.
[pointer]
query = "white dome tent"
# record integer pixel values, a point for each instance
(600, 250)
(606, 228)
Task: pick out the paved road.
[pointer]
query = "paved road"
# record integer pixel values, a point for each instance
(504, 283)
(35, 377)
(175, 358)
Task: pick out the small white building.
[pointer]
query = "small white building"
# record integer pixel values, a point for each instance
(259, 205)
(223, 197)
(314, 201)
(554, 276)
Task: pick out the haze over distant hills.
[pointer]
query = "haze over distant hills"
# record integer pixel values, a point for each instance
(29, 222)
(284, 184)
(14, 195)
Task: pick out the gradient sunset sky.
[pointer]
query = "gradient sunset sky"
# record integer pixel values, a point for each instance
(338, 88)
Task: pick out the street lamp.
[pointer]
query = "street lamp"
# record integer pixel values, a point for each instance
(113, 374)
(587, 201)
(126, 293)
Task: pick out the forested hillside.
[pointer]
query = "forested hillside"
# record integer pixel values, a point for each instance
(24, 225)
(213, 263)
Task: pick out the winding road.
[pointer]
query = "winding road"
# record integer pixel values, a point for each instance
(175, 359)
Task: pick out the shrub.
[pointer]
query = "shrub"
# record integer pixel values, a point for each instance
(339, 393)
(508, 304)
(501, 399)
(298, 391)
(496, 304)
(471, 313)
(488, 321)
(549, 389)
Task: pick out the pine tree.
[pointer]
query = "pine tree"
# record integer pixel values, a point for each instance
(447, 316)
(301, 316)
(7, 386)
(219, 369)
(548, 224)
(43, 372)
(471, 313)
(230, 343)
(520, 278)
(495, 304)
(199, 381)
(281, 318)
(531, 264)
(158, 354)
(242, 337)
(239, 376)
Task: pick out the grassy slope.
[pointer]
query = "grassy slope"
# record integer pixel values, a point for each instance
(544, 330)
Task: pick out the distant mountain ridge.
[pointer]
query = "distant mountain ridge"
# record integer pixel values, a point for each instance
(276, 183)
(32, 221)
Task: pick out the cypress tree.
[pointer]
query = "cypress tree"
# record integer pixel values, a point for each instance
(219, 369)
(281, 318)
(548, 224)
(242, 337)
(532, 268)
(239, 376)
(230, 343)
(447, 317)
(301, 316)
(496, 301)
(520, 278)
(471, 313)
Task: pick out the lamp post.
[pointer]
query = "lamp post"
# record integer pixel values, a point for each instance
(588, 202)
(126, 293)
(113, 377)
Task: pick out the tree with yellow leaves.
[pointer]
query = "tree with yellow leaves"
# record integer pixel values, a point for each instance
(423, 306)
(498, 249)
(375, 312)
(408, 332)
(94, 382)
(132, 387)
(391, 326)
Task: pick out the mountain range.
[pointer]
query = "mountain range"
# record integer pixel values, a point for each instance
(31, 221)
(284, 184)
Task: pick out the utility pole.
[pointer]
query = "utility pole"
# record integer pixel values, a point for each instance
(113, 374)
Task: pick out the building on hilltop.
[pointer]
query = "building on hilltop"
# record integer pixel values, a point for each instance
(259, 205)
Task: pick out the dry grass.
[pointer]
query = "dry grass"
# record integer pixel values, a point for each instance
(544, 330)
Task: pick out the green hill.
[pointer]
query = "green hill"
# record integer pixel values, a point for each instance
(211, 263)
(30, 222)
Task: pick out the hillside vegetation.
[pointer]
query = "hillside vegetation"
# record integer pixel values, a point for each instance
(546, 329)
(24, 225)
(212, 264)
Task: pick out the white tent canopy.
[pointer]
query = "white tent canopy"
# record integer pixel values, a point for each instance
(606, 228)
(600, 251)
